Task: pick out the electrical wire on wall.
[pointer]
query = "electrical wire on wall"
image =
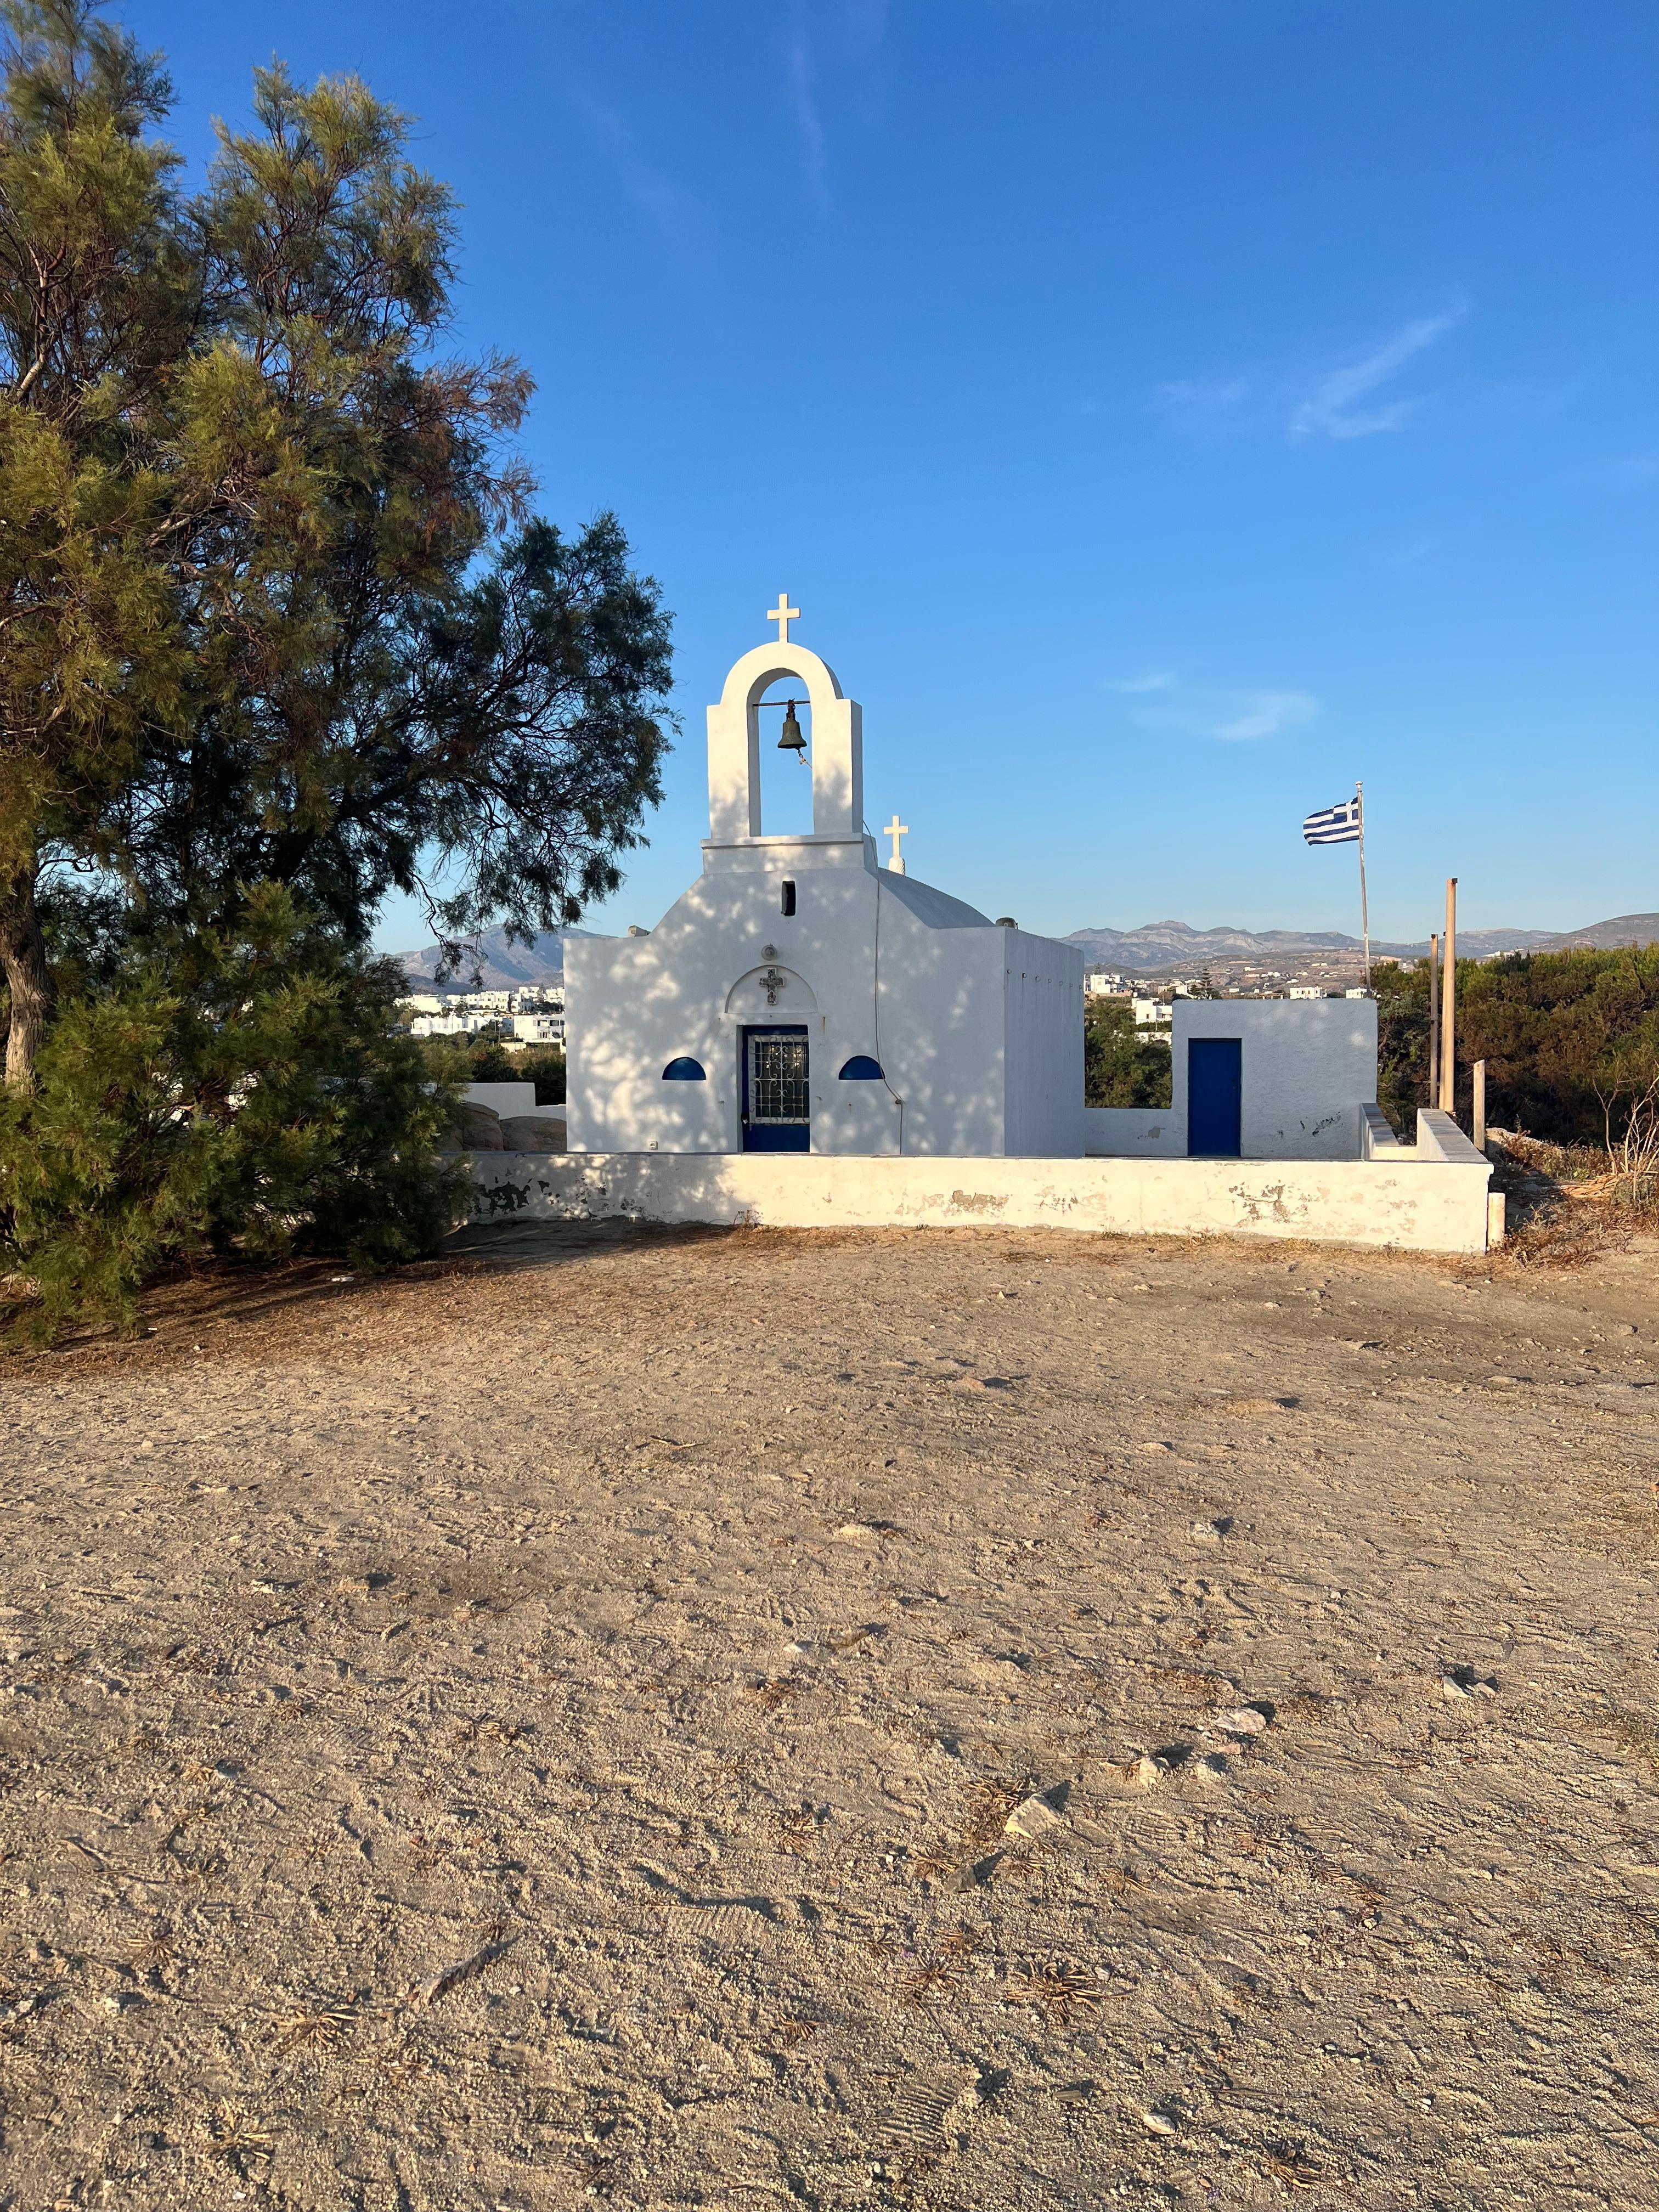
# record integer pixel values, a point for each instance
(880, 1062)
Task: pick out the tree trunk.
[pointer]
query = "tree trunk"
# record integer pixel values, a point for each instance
(23, 958)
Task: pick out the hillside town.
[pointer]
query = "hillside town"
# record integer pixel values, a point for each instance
(515, 1018)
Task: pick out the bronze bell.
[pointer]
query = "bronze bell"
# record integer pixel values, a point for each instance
(792, 741)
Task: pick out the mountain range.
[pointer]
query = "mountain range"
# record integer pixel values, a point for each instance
(1143, 951)
(497, 965)
(1158, 945)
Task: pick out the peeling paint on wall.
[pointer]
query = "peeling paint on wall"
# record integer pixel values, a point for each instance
(1432, 1198)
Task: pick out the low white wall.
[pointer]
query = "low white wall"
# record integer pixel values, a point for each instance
(1419, 1205)
(1377, 1139)
(1118, 1133)
(1439, 1138)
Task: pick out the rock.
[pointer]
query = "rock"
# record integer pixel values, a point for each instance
(479, 1127)
(1159, 2124)
(1462, 1683)
(1213, 1763)
(534, 1133)
(1212, 1532)
(1035, 1817)
(1144, 1772)
(1244, 1720)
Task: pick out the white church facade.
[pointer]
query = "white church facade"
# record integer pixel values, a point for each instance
(801, 997)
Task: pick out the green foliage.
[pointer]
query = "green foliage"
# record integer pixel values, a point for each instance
(1571, 1040)
(1402, 1044)
(1120, 1067)
(96, 300)
(233, 1092)
(482, 1059)
(274, 605)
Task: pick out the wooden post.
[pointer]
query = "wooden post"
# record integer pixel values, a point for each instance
(1448, 1005)
(1479, 1131)
(1434, 1021)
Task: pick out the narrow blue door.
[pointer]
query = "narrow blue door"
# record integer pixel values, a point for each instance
(1215, 1090)
(777, 1110)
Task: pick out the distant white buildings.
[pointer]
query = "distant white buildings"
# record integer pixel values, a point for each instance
(535, 1015)
(424, 1026)
(1308, 990)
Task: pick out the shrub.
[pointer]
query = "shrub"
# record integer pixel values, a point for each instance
(1120, 1066)
(482, 1059)
(235, 1091)
(1570, 1041)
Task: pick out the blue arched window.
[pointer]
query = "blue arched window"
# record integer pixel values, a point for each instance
(862, 1069)
(684, 1070)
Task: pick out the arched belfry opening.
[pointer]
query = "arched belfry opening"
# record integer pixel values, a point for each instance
(743, 733)
(784, 715)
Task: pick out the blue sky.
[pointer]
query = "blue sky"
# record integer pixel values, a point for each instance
(1164, 410)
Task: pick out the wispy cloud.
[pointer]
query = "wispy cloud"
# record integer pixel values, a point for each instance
(1331, 409)
(832, 59)
(1265, 713)
(800, 76)
(1233, 716)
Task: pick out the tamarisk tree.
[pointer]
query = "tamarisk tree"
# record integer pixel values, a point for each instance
(274, 608)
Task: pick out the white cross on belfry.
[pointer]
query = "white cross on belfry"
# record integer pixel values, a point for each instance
(896, 829)
(783, 614)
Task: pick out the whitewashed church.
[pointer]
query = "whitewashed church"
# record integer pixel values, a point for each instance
(802, 998)
(925, 1063)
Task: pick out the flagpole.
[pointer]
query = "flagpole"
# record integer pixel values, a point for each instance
(1365, 909)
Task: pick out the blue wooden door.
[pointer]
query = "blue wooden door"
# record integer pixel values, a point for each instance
(1215, 1090)
(777, 1113)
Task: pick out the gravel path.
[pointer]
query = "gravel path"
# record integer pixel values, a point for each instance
(545, 1728)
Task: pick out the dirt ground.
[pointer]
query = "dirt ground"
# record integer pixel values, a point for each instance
(543, 1728)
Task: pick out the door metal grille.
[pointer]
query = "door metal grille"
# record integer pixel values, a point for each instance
(777, 1080)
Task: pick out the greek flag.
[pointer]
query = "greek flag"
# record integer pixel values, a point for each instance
(1333, 825)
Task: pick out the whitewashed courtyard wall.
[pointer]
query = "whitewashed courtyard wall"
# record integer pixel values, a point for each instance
(1431, 1198)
